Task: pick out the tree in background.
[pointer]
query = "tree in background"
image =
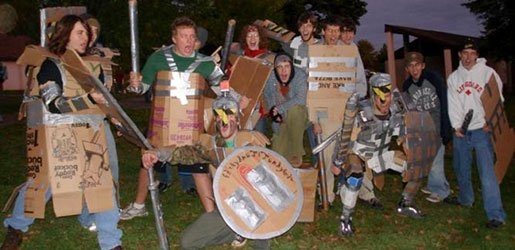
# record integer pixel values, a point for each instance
(497, 17)
(155, 16)
(368, 55)
(353, 9)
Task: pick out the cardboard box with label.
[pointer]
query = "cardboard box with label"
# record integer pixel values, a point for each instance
(330, 69)
(177, 110)
(73, 161)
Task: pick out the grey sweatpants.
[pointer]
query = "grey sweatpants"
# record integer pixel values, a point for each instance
(210, 229)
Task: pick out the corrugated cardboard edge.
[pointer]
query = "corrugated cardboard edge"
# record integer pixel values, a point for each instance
(503, 136)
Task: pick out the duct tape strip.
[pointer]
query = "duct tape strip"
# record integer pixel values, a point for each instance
(350, 62)
(332, 74)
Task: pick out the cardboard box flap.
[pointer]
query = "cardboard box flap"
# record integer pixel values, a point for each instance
(34, 55)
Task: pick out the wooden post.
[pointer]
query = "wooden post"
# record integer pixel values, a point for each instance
(447, 57)
(391, 57)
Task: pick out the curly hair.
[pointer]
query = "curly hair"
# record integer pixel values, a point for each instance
(307, 17)
(263, 40)
(63, 29)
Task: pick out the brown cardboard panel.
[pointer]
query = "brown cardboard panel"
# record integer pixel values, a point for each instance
(308, 177)
(173, 123)
(34, 55)
(275, 31)
(331, 67)
(502, 135)
(79, 165)
(37, 173)
(248, 78)
(55, 14)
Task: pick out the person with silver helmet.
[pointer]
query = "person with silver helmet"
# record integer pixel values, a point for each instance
(378, 121)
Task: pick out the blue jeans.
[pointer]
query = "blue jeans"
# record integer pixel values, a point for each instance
(436, 182)
(481, 143)
(186, 179)
(108, 235)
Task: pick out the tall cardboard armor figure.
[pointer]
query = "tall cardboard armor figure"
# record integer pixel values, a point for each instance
(210, 228)
(177, 73)
(332, 80)
(377, 121)
(74, 134)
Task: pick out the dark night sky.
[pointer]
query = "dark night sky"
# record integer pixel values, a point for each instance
(441, 15)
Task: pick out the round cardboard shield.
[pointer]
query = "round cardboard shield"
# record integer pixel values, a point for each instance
(257, 192)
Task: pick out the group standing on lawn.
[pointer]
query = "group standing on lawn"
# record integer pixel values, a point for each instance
(374, 113)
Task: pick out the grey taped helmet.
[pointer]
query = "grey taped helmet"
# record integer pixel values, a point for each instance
(226, 103)
(380, 83)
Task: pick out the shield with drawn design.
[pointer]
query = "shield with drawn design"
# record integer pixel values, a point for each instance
(258, 193)
(421, 145)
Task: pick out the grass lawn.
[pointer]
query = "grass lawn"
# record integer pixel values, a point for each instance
(445, 226)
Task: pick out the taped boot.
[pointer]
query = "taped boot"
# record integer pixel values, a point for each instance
(406, 208)
(349, 194)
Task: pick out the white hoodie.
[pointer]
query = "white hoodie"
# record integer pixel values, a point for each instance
(464, 89)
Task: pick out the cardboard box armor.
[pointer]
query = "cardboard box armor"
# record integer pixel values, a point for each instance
(177, 115)
(71, 159)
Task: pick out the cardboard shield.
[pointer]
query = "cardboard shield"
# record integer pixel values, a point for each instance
(421, 144)
(257, 192)
(503, 137)
(78, 69)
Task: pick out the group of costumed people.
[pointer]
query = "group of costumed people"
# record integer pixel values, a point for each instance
(371, 140)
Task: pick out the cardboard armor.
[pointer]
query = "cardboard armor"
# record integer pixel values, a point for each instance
(65, 152)
(177, 113)
(258, 193)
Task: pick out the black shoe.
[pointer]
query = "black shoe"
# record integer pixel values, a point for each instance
(117, 248)
(451, 200)
(13, 239)
(494, 224)
(409, 210)
(162, 187)
(191, 192)
(374, 203)
(346, 228)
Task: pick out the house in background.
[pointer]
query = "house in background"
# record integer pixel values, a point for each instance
(440, 50)
(11, 48)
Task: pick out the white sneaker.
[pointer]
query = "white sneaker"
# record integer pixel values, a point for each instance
(425, 190)
(239, 241)
(130, 212)
(92, 228)
(434, 198)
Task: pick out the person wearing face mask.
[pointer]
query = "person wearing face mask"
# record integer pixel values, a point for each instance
(377, 121)
(210, 229)
(58, 99)
(465, 87)
(285, 98)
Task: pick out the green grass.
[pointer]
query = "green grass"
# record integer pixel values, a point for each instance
(445, 226)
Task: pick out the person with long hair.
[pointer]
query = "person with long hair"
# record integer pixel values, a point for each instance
(62, 98)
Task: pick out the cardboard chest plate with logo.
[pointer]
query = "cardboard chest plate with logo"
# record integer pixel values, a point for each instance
(73, 160)
(258, 193)
(177, 109)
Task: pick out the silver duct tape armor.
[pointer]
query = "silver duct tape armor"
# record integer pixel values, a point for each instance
(375, 137)
(37, 114)
(50, 91)
(342, 143)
